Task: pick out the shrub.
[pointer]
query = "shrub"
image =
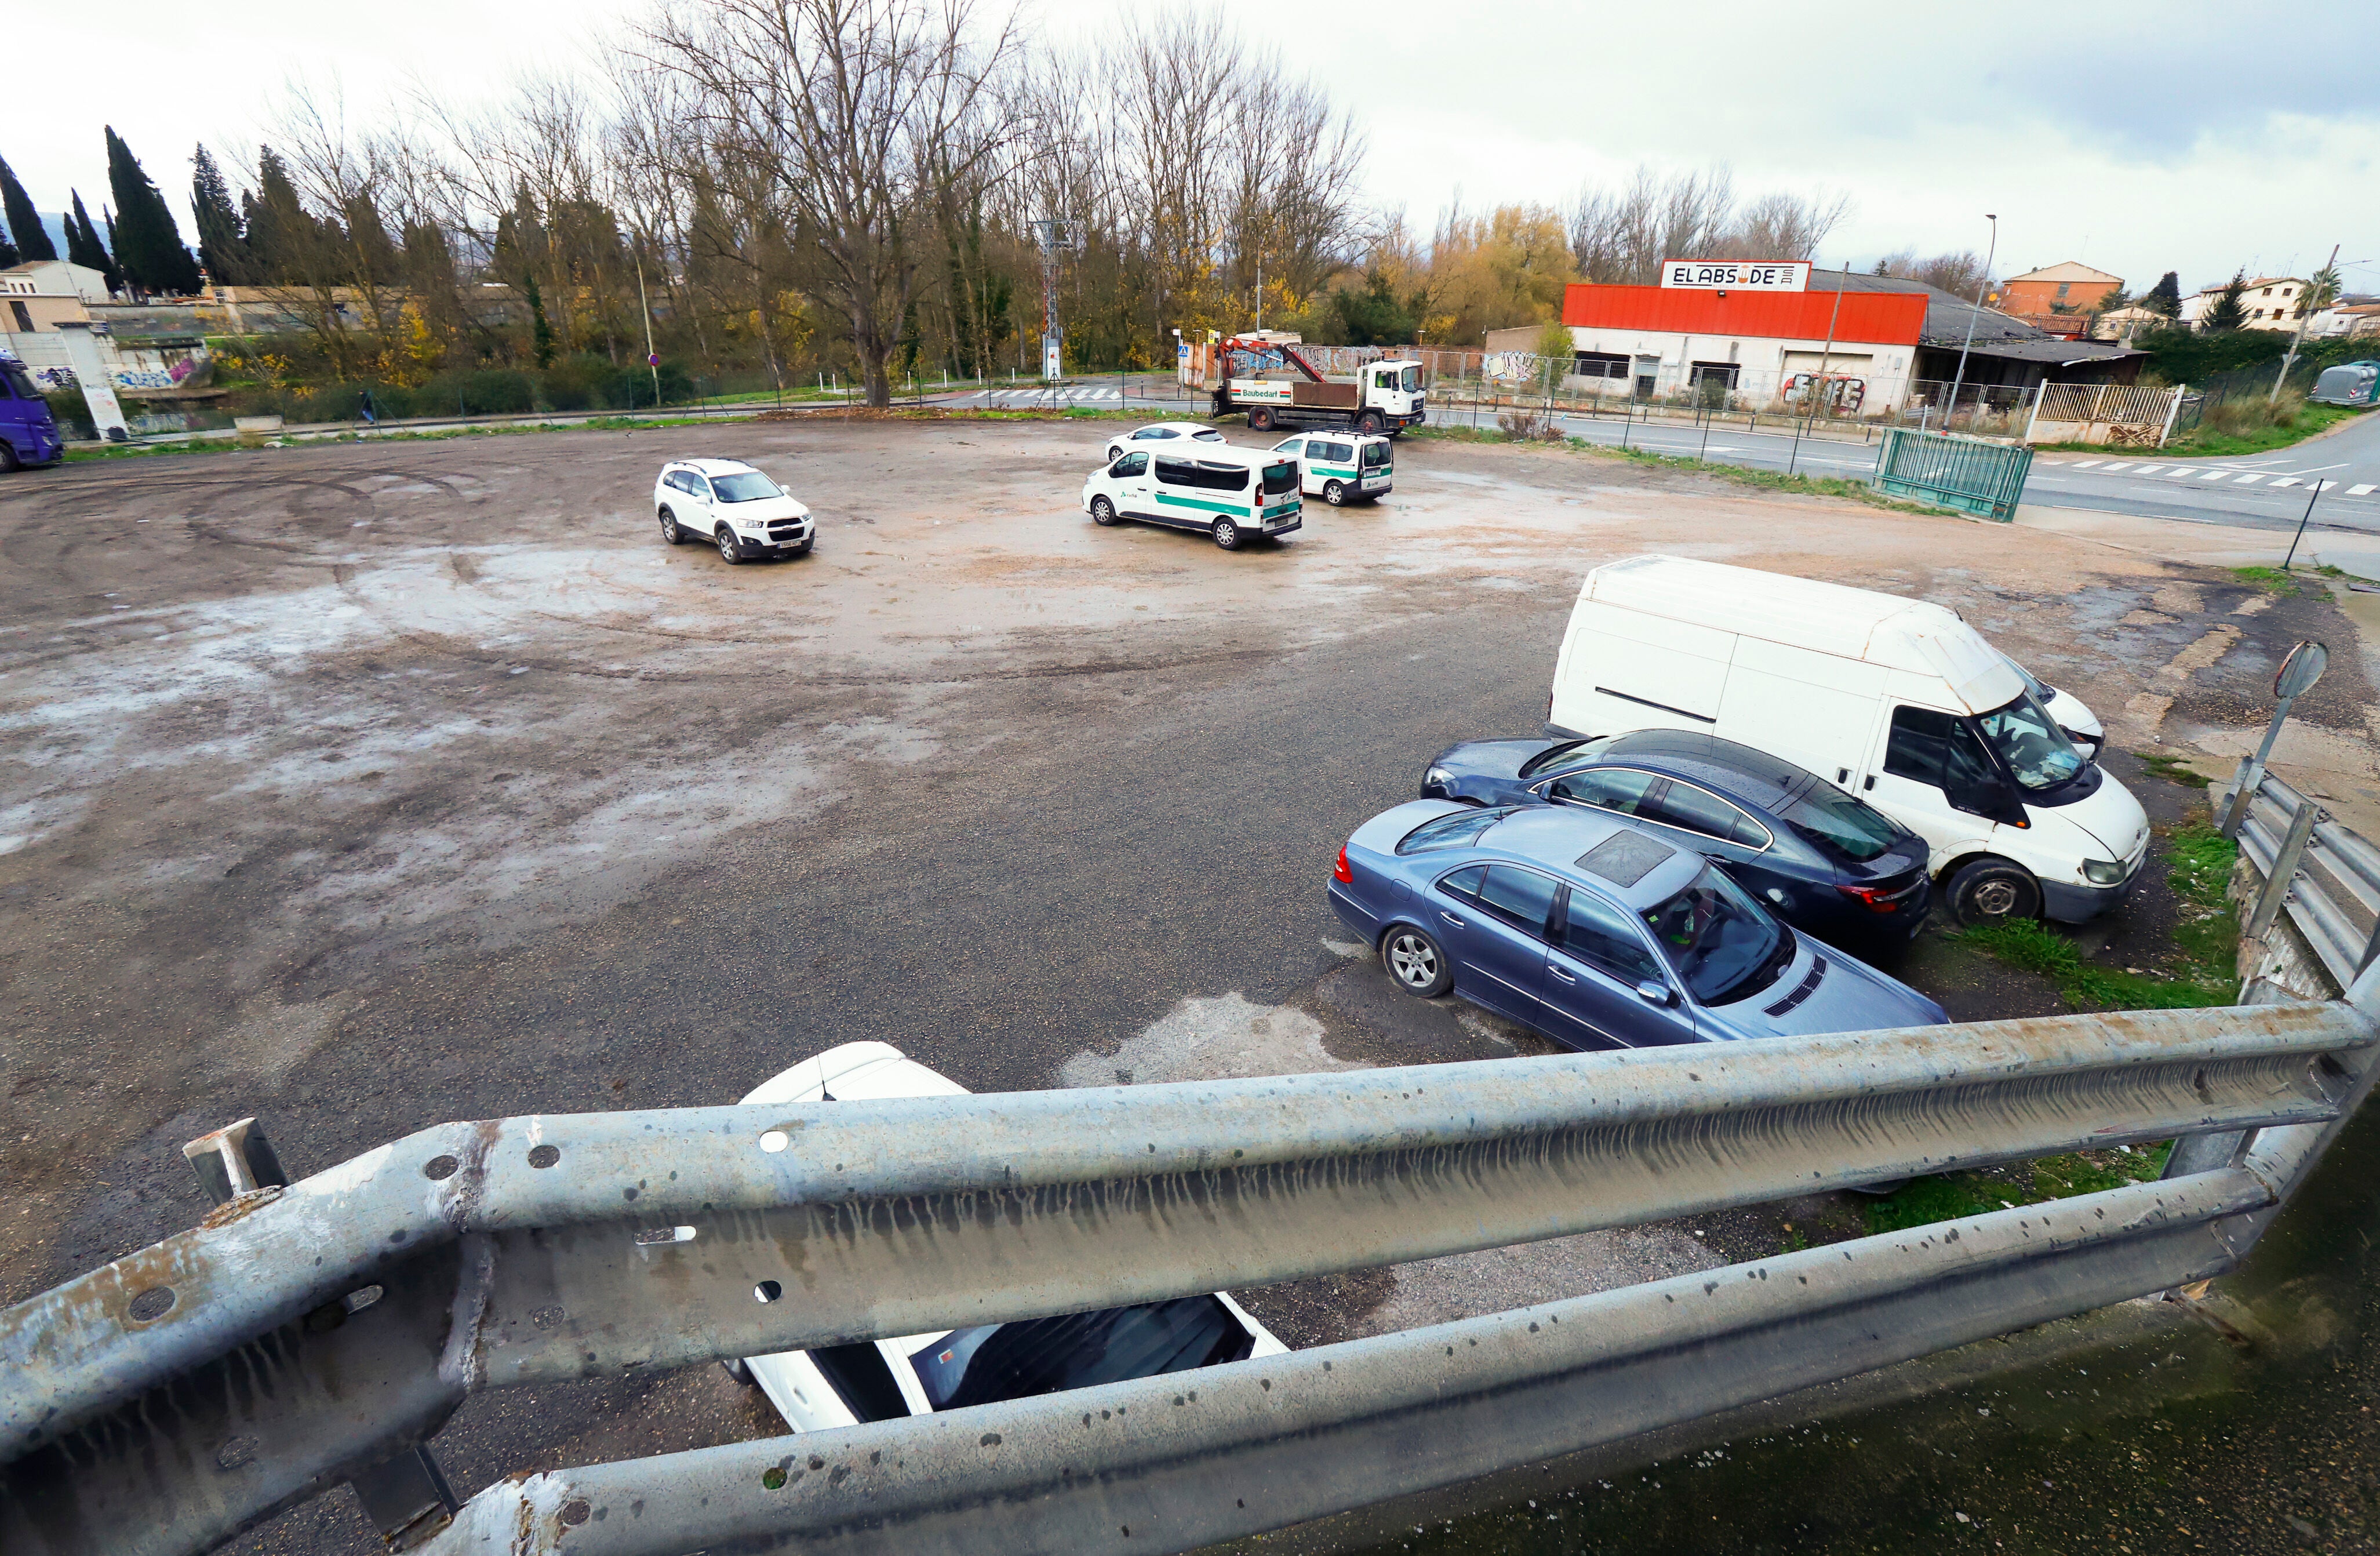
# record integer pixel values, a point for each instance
(1527, 426)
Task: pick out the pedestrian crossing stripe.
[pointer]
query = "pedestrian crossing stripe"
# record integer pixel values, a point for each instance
(2286, 480)
(2146, 469)
(2084, 463)
(2364, 491)
(2111, 470)
(2180, 473)
(2215, 475)
(2251, 478)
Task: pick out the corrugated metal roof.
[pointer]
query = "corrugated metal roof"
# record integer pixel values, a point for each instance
(1888, 320)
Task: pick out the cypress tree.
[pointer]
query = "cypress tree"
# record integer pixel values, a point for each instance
(83, 247)
(148, 245)
(2228, 314)
(9, 255)
(540, 332)
(2166, 296)
(25, 230)
(222, 246)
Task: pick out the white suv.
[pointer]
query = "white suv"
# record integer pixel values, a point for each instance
(733, 506)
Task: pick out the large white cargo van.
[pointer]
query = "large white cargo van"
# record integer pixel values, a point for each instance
(1897, 701)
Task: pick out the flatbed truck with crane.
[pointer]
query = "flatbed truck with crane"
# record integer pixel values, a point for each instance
(1281, 384)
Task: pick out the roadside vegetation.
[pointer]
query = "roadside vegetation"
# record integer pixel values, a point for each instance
(2201, 969)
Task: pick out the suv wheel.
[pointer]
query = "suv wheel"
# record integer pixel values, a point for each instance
(1335, 493)
(1993, 892)
(1416, 962)
(1102, 511)
(670, 530)
(728, 549)
(1227, 534)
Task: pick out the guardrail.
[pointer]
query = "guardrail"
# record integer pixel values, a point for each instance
(1968, 474)
(2325, 878)
(322, 1331)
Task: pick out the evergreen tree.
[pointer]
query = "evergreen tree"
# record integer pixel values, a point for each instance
(9, 255)
(223, 242)
(2228, 314)
(83, 247)
(148, 245)
(540, 332)
(284, 240)
(25, 230)
(1376, 316)
(2166, 296)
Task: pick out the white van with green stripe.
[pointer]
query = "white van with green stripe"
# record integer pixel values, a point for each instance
(1341, 466)
(1232, 495)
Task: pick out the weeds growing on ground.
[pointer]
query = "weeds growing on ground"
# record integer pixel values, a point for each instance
(2171, 770)
(2266, 577)
(1740, 475)
(1955, 1195)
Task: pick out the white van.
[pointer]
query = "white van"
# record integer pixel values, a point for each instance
(1897, 701)
(1342, 468)
(1233, 494)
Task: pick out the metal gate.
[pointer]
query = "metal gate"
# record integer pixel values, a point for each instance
(1968, 474)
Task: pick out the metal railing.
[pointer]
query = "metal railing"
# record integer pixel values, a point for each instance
(2325, 878)
(1983, 479)
(322, 1331)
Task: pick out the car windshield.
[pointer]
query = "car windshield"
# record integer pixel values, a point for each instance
(995, 1362)
(744, 486)
(2030, 742)
(2041, 691)
(1723, 944)
(1207, 434)
(1837, 824)
(1454, 830)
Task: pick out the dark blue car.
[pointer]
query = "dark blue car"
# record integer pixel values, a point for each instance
(1822, 860)
(1595, 933)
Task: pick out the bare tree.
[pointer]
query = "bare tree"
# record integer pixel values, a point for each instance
(1961, 272)
(843, 108)
(1623, 235)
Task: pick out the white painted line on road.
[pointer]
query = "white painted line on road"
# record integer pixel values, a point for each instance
(2364, 491)
(2146, 469)
(2179, 473)
(2078, 464)
(2286, 480)
(2251, 478)
(2323, 485)
(2111, 470)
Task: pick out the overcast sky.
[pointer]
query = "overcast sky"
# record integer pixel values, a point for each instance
(2189, 135)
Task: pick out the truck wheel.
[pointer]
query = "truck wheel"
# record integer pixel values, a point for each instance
(1227, 534)
(1335, 493)
(1259, 421)
(1993, 892)
(670, 531)
(1371, 421)
(1102, 511)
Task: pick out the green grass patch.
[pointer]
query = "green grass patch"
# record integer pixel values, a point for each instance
(1957, 1196)
(2309, 421)
(2172, 771)
(1740, 475)
(2272, 578)
(2203, 968)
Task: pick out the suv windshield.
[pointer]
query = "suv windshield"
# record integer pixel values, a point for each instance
(1837, 824)
(1721, 943)
(1454, 830)
(2029, 741)
(744, 486)
(995, 1362)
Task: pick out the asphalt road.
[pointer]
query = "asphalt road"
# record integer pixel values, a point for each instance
(361, 787)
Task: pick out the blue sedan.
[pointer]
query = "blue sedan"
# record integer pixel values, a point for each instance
(1823, 859)
(1593, 932)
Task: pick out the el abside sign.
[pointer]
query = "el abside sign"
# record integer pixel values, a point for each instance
(1717, 275)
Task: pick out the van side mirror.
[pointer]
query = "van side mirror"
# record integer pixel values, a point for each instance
(1654, 994)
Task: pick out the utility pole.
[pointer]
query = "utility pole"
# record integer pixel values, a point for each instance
(1824, 358)
(1053, 235)
(2305, 316)
(1981, 288)
(652, 357)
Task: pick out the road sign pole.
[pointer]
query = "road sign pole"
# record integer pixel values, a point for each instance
(2313, 493)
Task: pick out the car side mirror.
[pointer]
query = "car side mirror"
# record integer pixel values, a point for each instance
(1654, 994)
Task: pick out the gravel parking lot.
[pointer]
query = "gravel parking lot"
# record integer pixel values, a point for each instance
(361, 787)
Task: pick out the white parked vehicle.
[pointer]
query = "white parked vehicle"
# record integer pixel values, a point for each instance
(732, 506)
(1161, 433)
(1896, 700)
(918, 1374)
(1341, 468)
(1232, 495)
(2081, 724)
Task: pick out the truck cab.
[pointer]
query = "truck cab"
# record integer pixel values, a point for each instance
(29, 435)
(1397, 391)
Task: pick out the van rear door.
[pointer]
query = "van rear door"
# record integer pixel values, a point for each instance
(1623, 670)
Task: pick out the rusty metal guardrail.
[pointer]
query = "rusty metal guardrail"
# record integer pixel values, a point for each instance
(2324, 877)
(322, 1331)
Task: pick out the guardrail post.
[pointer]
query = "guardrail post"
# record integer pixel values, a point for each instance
(2285, 869)
(234, 1160)
(2245, 780)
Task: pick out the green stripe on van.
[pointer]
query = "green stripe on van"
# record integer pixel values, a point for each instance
(1237, 510)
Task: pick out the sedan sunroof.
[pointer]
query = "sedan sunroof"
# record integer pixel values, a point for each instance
(1625, 857)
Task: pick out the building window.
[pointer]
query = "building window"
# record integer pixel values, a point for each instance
(2062, 287)
(1602, 364)
(24, 317)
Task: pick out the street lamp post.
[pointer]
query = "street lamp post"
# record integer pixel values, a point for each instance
(1981, 287)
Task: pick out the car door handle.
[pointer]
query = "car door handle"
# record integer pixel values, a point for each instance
(1451, 919)
(1871, 782)
(1559, 974)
